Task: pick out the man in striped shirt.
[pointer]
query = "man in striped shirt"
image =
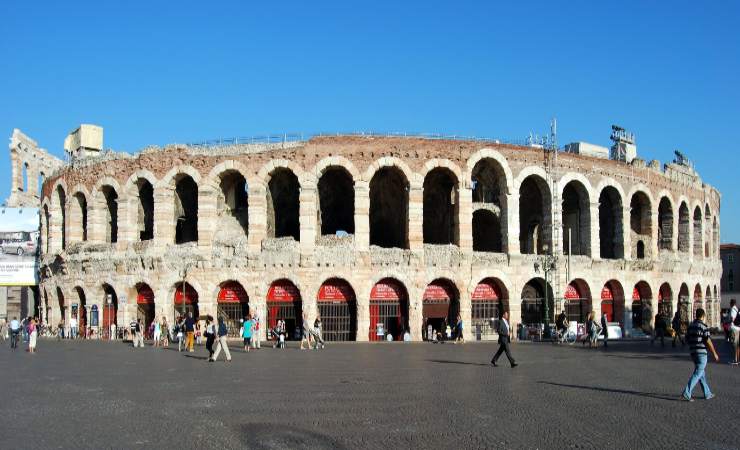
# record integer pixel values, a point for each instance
(699, 340)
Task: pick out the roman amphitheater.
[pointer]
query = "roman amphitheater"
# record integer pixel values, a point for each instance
(380, 235)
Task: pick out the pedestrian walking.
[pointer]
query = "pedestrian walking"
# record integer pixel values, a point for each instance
(247, 333)
(179, 333)
(15, 330)
(256, 331)
(199, 333)
(734, 333)
(317, 333)
(73, 327)
(60, 330)
(605, 328)
(189, 332)
(504, 340)
(139, 334)
(459, 330)
(33, 332)
(659, 329)
(676, 325)
(157, 333)
(699, 340)
(210, 335)
(165, 328)
(592, 330)
(305, 332)
(221, 343)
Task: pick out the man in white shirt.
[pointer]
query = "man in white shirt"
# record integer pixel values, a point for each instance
(15, 329)
(73, 328)
(735, 332)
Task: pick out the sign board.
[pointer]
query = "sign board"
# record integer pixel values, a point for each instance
(145, 296)
(190, 297)
(232, 292)
(336, 291)
(19, 246)
(386, 290)
(486, 291)
(571, 293)
(283, 291)
(437, 292)
(606, 293)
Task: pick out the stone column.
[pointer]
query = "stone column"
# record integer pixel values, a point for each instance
(164, 216)
(595, 239)
(307, 219)
(363, 316)
(627, 233)
(465, 315)
(512, 224)
(465, 219)
(362, 217)
(257, 217)
(416, 217)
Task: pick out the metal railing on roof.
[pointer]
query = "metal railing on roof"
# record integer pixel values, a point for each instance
(301, 137)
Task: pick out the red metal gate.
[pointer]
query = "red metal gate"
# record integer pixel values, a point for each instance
(284, 303)
(388, 310)
(233, 306)
(338, 310)
(486, 309)
(187, 302)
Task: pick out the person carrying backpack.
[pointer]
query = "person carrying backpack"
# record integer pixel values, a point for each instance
(221, 341)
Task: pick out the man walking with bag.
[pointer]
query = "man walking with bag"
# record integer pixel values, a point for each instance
(699, 340)
(221, 341)
(504, 340)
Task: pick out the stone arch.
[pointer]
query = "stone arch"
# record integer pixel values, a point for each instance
(105, 209)
(336, 302)
(232, 201)
(535, 309)
(389, 208)
(335, 161)
(441, 163)
(441, 207)
(611, 226)
(642, 305)
(139, 201)
(707, 231)
(684, 228)
(535, 215)
(665, 299)
(283, 203)
(388, 162)
(665, 223)
(79, 214)
(641, 223)
(169, 180)
(612, 301)
(185, 208)
(59, 216)
(490, 189)
(285, 302)
(495, 157)
(697, 231)
(264, 174)
(577, 300)
(576, 215)
(389, 309)
(336, 201)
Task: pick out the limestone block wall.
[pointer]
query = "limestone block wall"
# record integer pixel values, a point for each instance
(71, 264)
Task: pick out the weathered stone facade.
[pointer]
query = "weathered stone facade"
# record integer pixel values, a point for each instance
(409, 209)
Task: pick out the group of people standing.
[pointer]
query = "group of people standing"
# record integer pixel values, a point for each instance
(28, 329)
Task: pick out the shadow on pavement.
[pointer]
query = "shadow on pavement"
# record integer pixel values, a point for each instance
(465, 363)
(675, 398)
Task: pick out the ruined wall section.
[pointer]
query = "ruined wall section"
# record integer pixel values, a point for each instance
(29, 165)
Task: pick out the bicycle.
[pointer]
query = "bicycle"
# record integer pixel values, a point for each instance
(566, 337)
(14, 339)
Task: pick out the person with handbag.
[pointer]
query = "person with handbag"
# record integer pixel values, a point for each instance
(222, 333)
(210, 335)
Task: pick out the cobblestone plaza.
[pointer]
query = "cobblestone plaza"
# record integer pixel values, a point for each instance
(93, 394)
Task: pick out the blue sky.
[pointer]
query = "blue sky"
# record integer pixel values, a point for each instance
(154, 73)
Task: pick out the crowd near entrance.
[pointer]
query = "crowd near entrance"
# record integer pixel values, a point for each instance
(389, 310)
(284, 303)
(338, 310)
(186, 301)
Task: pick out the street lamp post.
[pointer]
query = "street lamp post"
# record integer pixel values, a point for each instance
(184, 273)
(547, 263)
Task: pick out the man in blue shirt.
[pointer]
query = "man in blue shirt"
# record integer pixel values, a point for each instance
(699, 340)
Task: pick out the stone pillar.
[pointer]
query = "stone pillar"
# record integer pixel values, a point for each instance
(512, 224)
(465, 315)
(362, 220)
(416, 217)
(257, 217)
(32, 173)
(627, 233)
(465, 219)
(415, 312)
(363, 316)
(16, 178)
(595, 239)
(164, 216)
(207, 220)
(307, 218)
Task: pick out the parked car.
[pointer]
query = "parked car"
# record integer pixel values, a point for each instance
(19, 247)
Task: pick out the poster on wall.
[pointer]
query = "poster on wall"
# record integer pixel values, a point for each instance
(19, 246)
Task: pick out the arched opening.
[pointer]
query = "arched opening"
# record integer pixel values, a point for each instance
(642, 311)
(665, 225)
(186, 301)
(338, 309)
(145, 310)
(612, 302)
(577, 301)
(440, 305)
(534, 309)
(232, 306)
(684, 228)
(284, 303)
(534, 216)
(40, 181)
(145, 210)
(611, 241)
(186, 210)
(707, 231)
(684, 303)
(665, 300)
(486, 232)
(640, 224)
(79, 311)
(488, 181)
(283, 205)
(389, 310)
(389, 208)
(489, 301)
(715, 238)
(110, 310)
(576, 216)
(110, 218)
(336, 213)
(45, 228)
(640, 250)
(78, 218)
(697, 232)
(232, 204)
(441, 207)
(62, 205)
(62, 306)
(698, 302)
(24, 178)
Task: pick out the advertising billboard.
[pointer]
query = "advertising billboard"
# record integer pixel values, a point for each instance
(19, 246)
